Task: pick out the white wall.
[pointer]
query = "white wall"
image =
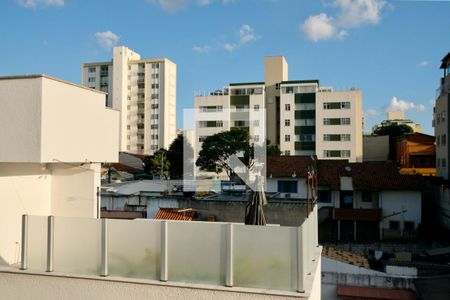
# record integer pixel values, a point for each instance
(74, 190)
(76, 126)
(24, 189)
(20, 114)
(396, 201)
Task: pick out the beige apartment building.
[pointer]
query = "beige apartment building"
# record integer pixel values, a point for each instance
(302, 117)
(144, 90)
(440, 122)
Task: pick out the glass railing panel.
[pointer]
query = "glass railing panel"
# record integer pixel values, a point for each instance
(134, 248)
(265, 257)
(37, 243)
(197, 252)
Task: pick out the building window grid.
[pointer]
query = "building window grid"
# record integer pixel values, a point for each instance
(287, 107)
(287, 138)
(287, 122)
(336, 121)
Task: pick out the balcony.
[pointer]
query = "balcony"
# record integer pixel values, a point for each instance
(214, 255)
(357, 214)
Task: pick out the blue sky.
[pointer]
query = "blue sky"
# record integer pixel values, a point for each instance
(387, 48)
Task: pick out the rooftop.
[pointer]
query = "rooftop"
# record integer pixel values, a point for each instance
(346, 257)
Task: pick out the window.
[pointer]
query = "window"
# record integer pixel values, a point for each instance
(345, 137)
(332, 105)
(155, 66)
(91, 79)
(155, 106)
(155, 96)
(202, 138)
(140, 126)
(211, 108)
(287, 122)
(443, 116)
(256, 107)
(305, 138)
(305, 106)
(154, 136)
(285, 186)
(256, 138)
(345, 153)
(444, 162)
(154, 126)
(155, 85)
(394, 225)
(305, 122)
(324, 196)
(287, 107)
(409, 225)
(203, 124)
(336, 137)
(444, 140)
(345, 105)
(256, 123)
(287, 138)
(141, 85)
(287, 152)
(92, 70)
(336, 121)
(370, 196)
(155, 76)
(154, 117)
(336, 153)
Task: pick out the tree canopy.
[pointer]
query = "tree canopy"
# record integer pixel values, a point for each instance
(217, 149)
(393, 130)
(157, 164)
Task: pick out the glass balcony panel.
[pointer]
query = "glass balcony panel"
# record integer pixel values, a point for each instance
(37, 243)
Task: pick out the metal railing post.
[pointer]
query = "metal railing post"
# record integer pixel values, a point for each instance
(104, 254)
(300, 260)
(164, 251)
(50, 242)
(229, 271)
(24, 248)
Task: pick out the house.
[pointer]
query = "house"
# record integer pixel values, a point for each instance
(54, 135)
(416, 154)
(368, 201)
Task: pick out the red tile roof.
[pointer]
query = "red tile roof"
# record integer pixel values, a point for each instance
(358, 292)
(177, 214)
(418, 137)
(369, 176)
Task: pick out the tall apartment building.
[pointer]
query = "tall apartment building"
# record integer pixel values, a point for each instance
(397, 118)
(144, 90)
(440, 122)
(302, 117)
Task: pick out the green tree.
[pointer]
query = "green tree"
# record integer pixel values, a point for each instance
(175, 157)
(217, 149)
(272, 150)
(393, 131)
(157, 164)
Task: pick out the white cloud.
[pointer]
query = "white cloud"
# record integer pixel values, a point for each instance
(201, 50)
(107, 39)
(349, 14)
(246, 35)
(354, 13)
(423, 63)
(36, 3)
(371, 113)
(403, 105)
(321, 27)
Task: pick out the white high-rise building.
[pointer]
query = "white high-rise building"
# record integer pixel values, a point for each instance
(144, 91)
(302, 117)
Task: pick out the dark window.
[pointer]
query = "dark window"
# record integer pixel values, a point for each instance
(346, 199)
(369, 196)
(409, 225)
(394, 225)
(287, 186)
(325, 196)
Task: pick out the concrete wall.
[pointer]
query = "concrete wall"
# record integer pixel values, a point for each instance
(24, 189)
(28, 286)
(75, 119)
(20, 114)
(376, 148)
(396, 201)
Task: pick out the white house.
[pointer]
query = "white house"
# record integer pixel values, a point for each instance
(54, 135)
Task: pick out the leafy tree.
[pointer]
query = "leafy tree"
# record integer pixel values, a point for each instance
(272, 150)
(175, 157)
(393, 131)
(157, 164)
(217, 149)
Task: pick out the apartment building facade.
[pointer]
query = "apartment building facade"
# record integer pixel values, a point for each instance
(440, 122)
(301, 117)
(144, 91)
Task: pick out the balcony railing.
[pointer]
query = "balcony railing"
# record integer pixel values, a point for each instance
(357, 214)
(218, 254)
